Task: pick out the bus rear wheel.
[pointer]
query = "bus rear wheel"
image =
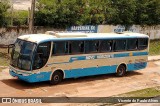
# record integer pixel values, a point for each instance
(56, 78)
(121, 70)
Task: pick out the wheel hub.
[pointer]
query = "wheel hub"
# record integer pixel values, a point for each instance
(56, 78)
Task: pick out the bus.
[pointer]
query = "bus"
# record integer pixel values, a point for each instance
(54, 56)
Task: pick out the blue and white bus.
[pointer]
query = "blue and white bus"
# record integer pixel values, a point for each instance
(57, 56)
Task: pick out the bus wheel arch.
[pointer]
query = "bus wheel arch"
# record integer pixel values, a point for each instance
(56, 77)
(121, 70)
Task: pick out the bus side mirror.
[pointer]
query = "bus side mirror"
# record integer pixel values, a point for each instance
(10, 47)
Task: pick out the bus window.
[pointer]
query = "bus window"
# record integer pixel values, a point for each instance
(22, 54)
(42, 55)
(60, 48)
(132, 44)
(142, 43)
(106, 45)
(76, 47)
(91, 46)
(119, 45)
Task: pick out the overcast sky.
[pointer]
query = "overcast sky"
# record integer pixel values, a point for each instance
(21, 4)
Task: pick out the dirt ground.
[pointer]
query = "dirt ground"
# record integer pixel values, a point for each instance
(95, 86)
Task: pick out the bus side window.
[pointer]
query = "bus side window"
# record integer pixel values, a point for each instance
(119, 45)
(42, 55)
(142, 43)
(92, 46)
(60, 48)
(76, 47)
(81, 47)
(106, 45)
(132, 44)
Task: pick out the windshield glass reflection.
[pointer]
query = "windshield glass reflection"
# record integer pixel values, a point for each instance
(21, 56)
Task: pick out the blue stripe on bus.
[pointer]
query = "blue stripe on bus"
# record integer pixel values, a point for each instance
(121, 55)
(77, 58)
(140, 65)
(139, 53)
(80, 72)
(136, 66)
(42, 76)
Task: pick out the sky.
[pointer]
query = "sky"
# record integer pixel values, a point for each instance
(21, 4)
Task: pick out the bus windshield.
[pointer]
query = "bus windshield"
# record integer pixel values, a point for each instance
(21, 56)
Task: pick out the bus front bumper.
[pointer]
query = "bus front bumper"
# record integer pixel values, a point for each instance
(43, 76)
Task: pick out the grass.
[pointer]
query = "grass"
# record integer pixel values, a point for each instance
(154, 47)
(143, 93)
(148, 92)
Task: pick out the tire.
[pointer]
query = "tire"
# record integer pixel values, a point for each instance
(121, 70)
(56, 78)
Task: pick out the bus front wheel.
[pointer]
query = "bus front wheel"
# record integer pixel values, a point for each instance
(121, 70)
(56, 78)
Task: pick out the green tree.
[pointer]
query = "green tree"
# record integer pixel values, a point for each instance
(154, 12)
(97, 11)
(20, 17)
(4, 6)
(46, 12)
(64, 13)
(61, 13)
(125, 11)
(147, 12)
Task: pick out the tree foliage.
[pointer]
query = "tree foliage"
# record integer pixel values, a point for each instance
(64, 13)
(20, 17)
(147, 12)
(61, 13)
(4, 6)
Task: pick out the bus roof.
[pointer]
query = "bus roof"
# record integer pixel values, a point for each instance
(37, 38)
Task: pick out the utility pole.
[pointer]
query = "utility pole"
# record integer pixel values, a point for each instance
(29, 15)
(12, 14)
(31, 19)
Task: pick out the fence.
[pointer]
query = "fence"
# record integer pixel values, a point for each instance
(9, 35)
